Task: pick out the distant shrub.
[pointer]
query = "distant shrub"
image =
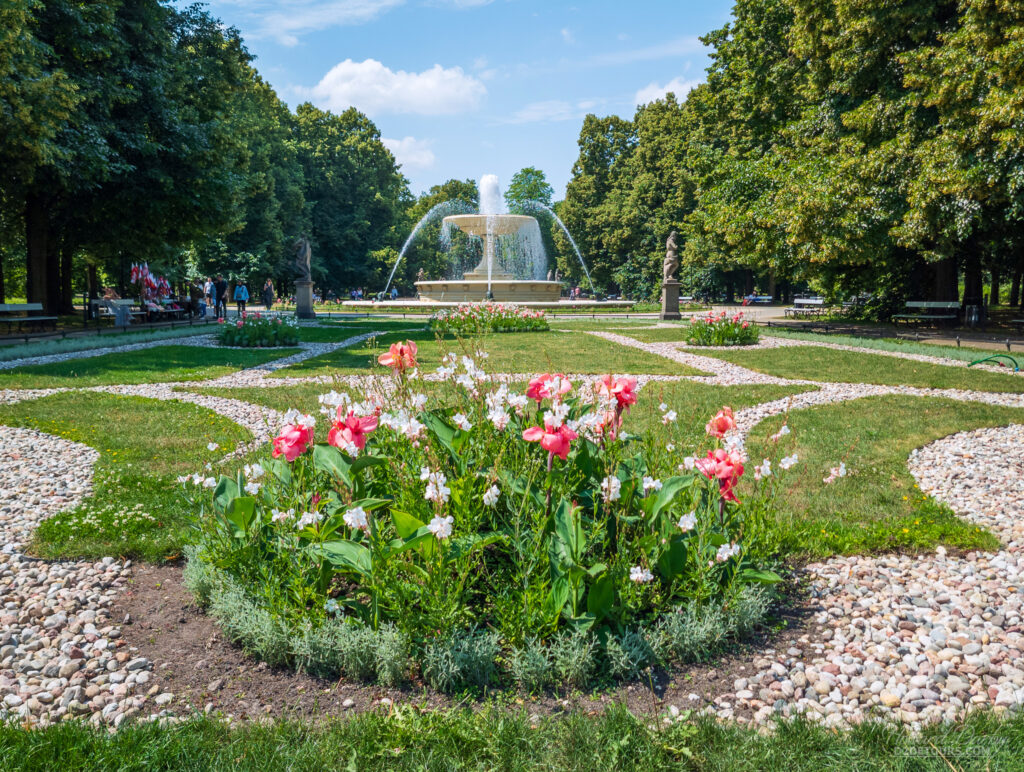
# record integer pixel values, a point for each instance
(721, 329)
(258, 331)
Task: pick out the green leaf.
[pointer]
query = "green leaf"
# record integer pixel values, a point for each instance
(405, 524)
(329, 459)
(601, 597)
(556, 598)
(240, 513)
(655, 505)
(568, 528)
(225, 492)
(760, 576)
(365, 462)
(347, 555)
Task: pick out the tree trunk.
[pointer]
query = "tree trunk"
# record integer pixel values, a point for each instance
(946, 285)
(1015, 289)
(37, 233)
(3, 283)
(748, 282)
(67, 300)
(51, 305)
(974, 288)
(993, 298)
(729, 291)
(774, 288)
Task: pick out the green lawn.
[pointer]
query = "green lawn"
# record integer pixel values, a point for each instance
(335, 332)
(494, 738)
(137, 508)
(823, 364)
(152, 365)
(878, 506)
(527, 352)
(302, 396)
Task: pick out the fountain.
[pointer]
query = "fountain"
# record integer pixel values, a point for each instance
(490, 280)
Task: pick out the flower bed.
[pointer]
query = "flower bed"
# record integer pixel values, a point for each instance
(721, 329)
(478, 318)
(491, 535)
(258, 331)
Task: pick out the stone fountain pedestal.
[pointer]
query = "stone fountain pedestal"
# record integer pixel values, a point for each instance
(304, 300)
(670, 300)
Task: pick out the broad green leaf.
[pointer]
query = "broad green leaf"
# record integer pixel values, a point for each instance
(347, 554)
(329, 459)
(225, 492)
(601, 597)
(761, 576)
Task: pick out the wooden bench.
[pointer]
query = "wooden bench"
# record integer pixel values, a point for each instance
(12, 315)
(122, 310)
(806, 307)
(1018, 323)
(930, 311)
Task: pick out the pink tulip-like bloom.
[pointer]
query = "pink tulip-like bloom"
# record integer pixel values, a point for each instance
(548, 386)
(622, 389)
(726, 468)
(723, 422)
(292, 442)
(555, 440)
(351, 430)
(400, 356)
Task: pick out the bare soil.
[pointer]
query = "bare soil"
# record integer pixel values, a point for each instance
(193, 661)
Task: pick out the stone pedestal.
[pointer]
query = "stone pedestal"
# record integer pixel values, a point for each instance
(670, 300)
(304, 300)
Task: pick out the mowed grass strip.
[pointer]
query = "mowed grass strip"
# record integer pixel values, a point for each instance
(525, 352)
(878, 506)
(137, 508)
(495, 738)
(823, 364)
(336, 333)
(160, 364)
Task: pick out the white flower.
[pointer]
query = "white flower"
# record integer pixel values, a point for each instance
(780, 433)
(419, 401)
(252, 488)
(640, 575)
(835, 473)
(309, 518)
(763, 470)
(436, 488)
(184, 479)
(212, 446)
(197, 479)
(499, 417)
(491, 496)
(331, 401)
(441, 527)
(651, 484)
(445, 372)
(294, 418)
(461, 422)
(669, 417)
(331, 606)
(688, 521)
(481, 354)
(356, 518)
(689, 462)
(726, 551)
(788, 461)
(662, 407)
(518, 402)
(611, 488)
(555, 417)
(210, 482)
(277, 515)
(670, 447)
(253, 472)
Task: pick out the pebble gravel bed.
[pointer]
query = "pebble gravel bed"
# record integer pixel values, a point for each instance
(61, 654)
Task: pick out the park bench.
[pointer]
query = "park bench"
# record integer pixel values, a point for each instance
(122, 310)
(24, 313)
(1018, 323)
(930, 311)
(806, 307)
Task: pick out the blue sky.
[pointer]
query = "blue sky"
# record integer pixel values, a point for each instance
(462, 88)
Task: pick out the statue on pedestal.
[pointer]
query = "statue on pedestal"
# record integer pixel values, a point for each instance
(669, 283)
(303, 255)
(671, 264)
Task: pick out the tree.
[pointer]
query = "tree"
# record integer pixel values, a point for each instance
(527, 185)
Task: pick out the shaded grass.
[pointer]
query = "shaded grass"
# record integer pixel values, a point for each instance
(153, 365)
(878, 506)
(527, 352)
(499, 739)
(964, 353)
(822, 364)
(137, 508)
(89, 342)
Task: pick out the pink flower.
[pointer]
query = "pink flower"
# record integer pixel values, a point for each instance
(548, 386)
(351, 430)
(721, 423)
(238, 324)
(400, 356)
(723, 466)
(292, 441)
(554, 440)
(623, 389)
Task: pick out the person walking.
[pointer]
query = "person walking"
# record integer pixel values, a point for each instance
(209, 290)
(196, 300)
(268, 295)
(241, 296)
(220, 293)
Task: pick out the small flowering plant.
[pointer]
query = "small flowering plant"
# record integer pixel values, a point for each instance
(721, 329)
(483, 506)
(479, 318)
(258, 331)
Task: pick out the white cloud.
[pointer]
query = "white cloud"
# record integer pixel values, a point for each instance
(567, 36)
(411, 153)
(669, 49)
(375, 89)
(653, 91)
(285, 22)
(551, 110)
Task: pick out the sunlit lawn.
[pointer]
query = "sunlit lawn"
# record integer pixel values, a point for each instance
(152, 365)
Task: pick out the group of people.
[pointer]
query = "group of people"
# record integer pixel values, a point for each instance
(215, 293)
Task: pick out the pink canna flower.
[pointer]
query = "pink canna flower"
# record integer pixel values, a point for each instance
(622, 389)
(723, 422)
(400, 356)
(723, 466)
(548, 386)
(292, 441)
(554, 440)
(351, 430)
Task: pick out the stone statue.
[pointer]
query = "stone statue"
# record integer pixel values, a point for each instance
(671, 258)
(420, 275)
(303, 253)
(550, 275)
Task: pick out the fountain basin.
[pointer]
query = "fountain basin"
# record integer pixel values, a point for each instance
(475, 290)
